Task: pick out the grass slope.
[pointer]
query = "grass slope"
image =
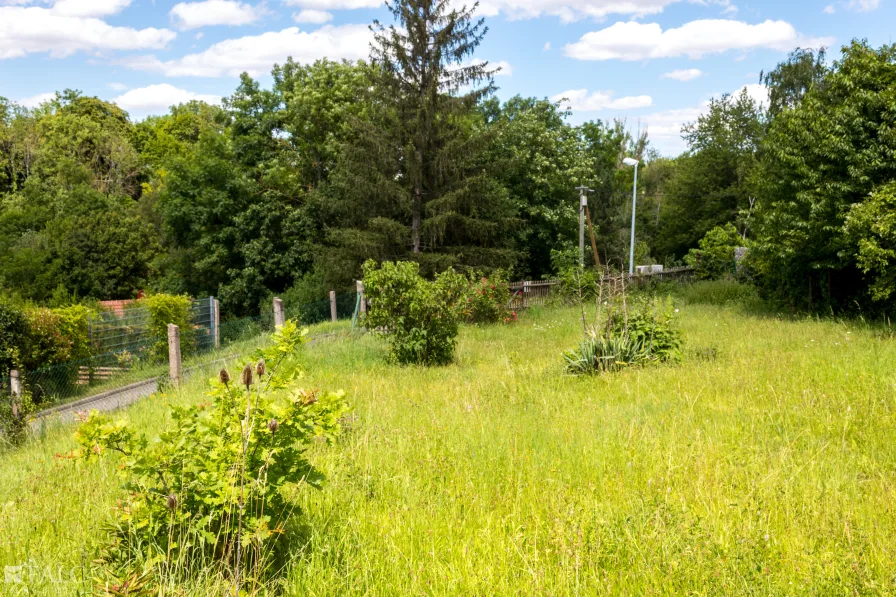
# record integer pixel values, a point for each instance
(769, 470)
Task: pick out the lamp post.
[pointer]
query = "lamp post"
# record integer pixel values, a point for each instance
(583, 203)
(631, 254)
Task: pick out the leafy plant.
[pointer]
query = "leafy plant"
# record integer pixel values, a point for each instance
(216, 488)
(715, 257)
(420, 316)
(165, 309)
(639, 332)
(487, 299)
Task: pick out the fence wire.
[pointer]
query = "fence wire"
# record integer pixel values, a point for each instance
(126, 352)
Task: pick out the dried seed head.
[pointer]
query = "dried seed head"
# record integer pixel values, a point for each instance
(224, 376)
(273, 425)
(172, 502)
(259, 368)
(246, 378)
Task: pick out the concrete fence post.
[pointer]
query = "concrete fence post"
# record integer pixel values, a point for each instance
(216, 320)
(333, 305)
(526, 289)
(279, 314)
(175, 367)
(15, 390)
(363, 301)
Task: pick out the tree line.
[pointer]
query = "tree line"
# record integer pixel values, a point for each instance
(411, 156)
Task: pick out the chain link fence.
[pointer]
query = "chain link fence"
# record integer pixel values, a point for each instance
(122, 345)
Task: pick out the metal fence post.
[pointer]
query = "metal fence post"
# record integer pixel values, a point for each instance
(363, 301)
(175, 369)
(279, 315)
(333, 305)
(216, 321)
(15, 390)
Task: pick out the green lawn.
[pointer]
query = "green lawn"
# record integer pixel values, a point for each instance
(768, 470)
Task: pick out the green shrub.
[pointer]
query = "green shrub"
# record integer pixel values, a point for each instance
(714, 259)
(420, 316)
(216, 489)
(13, 326)
(642, 333)
(165, 309)
(576, 283)
(487, 299)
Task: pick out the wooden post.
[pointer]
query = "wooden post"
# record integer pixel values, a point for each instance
(175, 369)
(363, 301)
(333, 305)
(216, 321)
(15, 390)
(279, 315)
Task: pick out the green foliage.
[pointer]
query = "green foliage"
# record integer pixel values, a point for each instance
(870, 228)
(165, 309)
(487, 298)
(715, 257)
(216, 489)
(13, 327)
(827, 153)
(421, 317)
(639, 333)
(577, 283)
(714, 181)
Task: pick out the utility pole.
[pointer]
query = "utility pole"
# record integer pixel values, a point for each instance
(583, 204)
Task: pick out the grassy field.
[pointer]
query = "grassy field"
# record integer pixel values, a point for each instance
(766, 466)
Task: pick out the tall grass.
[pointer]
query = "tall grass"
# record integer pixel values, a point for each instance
(770, 470)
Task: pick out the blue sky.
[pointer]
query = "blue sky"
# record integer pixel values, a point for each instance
(654, 63)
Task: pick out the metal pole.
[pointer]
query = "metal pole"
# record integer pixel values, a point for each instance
(631, 254)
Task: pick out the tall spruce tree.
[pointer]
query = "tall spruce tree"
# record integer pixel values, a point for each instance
(412, 183)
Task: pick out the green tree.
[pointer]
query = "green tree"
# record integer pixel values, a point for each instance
(820, 157)
(788, 82)
(714, 180)
(412, 184)
(871, 232)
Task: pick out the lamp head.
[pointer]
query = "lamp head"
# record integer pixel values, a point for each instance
(630, 162)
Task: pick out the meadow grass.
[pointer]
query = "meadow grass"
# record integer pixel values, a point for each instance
(767, 468)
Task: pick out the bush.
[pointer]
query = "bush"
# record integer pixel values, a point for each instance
(642, 333)
(577, 283)
(215, 490)
(715, 257)
(13, 326)
(420, 316)
(487, 299)
(165, 309)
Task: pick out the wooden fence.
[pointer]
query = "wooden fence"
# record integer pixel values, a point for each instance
(529, 293)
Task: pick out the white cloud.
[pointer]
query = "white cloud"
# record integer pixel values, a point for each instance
(580, 101)
(547, 46)
(256, 54)
(571, 10)
(829, 9)
(158, 98)
(36, 100)
(27, 30)
(731, 9)
(309, 15)
(192, 15)
(117, 86)
(641, 41)
(863, 5)
(688, 74)
(89, 8)
(335, 4)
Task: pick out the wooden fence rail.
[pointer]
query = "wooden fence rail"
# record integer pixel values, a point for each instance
(529, 293)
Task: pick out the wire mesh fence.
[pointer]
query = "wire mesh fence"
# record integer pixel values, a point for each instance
(125, 349)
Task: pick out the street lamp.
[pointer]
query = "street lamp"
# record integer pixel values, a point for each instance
(631, 254)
